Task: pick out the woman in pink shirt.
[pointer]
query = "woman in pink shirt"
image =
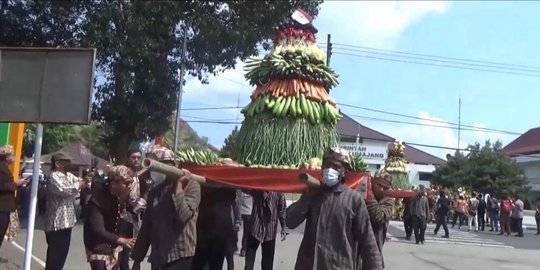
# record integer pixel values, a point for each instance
(461, 211)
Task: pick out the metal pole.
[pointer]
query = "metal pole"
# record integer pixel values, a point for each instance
(180, 90)
(33, 198)
(328, 50)
(459, 126)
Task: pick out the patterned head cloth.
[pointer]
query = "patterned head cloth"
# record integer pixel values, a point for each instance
(120, 172)
(339, 154)
(6, 150)
(161, 153)
(383, 178)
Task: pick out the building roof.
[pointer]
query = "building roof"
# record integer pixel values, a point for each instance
(526, 144)
(417, 156)
(80, 154)
(350, 128)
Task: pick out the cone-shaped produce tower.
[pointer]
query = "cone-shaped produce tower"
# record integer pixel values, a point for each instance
(396, 165)
(291, 117)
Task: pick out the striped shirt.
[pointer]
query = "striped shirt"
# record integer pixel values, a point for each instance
(268, 209)
(338, 233)
(169, 225)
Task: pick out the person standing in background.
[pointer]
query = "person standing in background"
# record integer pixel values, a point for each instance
(420, 212)
(506, 210)
(88, 175)
(517, 215)
(493, 212)
(62, 189)
(246, 207)
(473, 211)
(481, 213)
(407, 218)
(537, 217)
(7, 191)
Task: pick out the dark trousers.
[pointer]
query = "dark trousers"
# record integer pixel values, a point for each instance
(481, 218)
(98, 265)
(505, 223)
(519, 226)
(461, 218)
(181, 264)
(537, 224)
(57, 248)
(407, 223)
(441, 220)
(246, 224)
(268, 249)
(419, 227)
(213, 258)
(4, 224)
(125, 229)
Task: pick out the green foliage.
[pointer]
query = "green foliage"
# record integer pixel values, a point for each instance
(138, 44)
(484, 169)
(57, 136)
(230, 143)
(187, 139)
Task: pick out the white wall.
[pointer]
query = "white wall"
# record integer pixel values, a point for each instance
(414, 173)
(531, 169)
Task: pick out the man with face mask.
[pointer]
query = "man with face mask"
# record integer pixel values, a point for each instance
(7, 191)
(62, 189)
(170, 220)
(380, 207)
(338, 233)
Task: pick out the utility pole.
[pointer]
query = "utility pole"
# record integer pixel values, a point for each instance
(328, 50)
(459, 126)
(180, 91)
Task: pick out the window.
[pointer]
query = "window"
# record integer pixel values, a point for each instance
(424, 176)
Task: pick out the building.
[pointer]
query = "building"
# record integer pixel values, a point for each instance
(373, 145)
(525, 150)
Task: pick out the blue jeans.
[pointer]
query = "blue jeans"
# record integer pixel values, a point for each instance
(494, 220)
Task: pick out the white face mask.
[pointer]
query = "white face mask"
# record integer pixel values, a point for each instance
(330, 177)
(158, 178)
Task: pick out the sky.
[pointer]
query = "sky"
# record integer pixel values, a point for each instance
(502, 32)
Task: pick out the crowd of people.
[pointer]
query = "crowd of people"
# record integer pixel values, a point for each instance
(129, 211)
(474, 210)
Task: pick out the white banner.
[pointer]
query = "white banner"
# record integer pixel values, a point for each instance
(366, 151)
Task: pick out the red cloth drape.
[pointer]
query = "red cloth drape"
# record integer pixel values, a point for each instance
(279, 180)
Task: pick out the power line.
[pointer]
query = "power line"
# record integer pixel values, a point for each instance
(437, 65)
(525, 67)
(430, 120)
(465, 127)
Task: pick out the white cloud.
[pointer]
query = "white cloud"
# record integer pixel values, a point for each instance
(373, 23)
(433, 131)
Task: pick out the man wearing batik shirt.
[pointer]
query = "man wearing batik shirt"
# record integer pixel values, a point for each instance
(380, 207)
(338, 233)
(268, 209)
(62, 189)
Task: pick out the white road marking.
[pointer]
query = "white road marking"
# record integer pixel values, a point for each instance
(38, 260)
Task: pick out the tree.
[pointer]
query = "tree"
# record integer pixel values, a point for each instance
(139, 44)
(450, 174)
(484, 169)
(139, 47)
(57, 136)
(229, 144)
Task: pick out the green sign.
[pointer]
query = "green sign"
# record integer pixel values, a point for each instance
(4, 133)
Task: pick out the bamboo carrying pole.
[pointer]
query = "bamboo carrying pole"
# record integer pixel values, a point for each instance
(168, 170)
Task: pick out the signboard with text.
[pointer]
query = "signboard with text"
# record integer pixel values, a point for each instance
(366, 151)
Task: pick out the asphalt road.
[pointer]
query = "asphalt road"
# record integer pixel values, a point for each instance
(463, 251)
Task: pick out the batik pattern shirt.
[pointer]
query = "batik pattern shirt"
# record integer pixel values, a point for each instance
(62, 190)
